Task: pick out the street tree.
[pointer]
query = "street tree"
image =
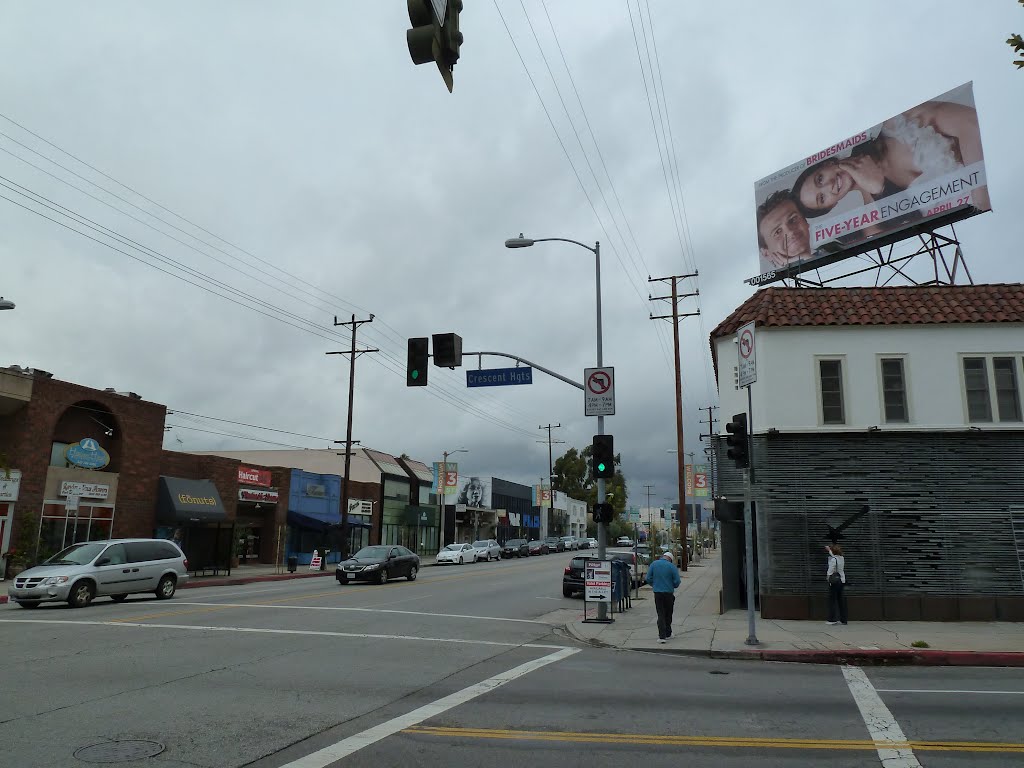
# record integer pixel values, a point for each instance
(574, 477)
(1017, 43)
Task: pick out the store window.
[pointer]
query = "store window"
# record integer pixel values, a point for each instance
(59, 528)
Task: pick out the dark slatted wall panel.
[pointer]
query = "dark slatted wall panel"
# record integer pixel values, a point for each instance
(945, 510)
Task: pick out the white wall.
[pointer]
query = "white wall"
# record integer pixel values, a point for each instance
(785, 396)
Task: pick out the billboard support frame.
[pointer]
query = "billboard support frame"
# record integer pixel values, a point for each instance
(945, 268)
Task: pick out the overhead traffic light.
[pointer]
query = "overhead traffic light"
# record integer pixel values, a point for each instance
(435, 34)
(737, 441)
(603, 512)
(447, 350)
(419, 358)
(603, 457)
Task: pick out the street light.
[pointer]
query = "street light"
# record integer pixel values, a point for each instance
(526, 242)
(6, 303)
(441, 487)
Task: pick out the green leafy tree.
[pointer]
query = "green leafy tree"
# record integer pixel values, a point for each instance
(573, 476)
(1017, 43)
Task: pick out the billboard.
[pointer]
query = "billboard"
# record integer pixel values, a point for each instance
(474, 492)
(913, 172)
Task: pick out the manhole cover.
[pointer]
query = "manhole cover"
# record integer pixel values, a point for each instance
(119, 751)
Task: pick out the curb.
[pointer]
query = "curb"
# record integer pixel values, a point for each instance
(855, 656)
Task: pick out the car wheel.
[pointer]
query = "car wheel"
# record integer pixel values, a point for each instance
(166, 587)
(81, 594)
(566, 592)
(412, 573)
(461, 561)
(28, 603)
(382, 577)
(118, 598)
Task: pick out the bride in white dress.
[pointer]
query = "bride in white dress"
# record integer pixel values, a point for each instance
(925, 142)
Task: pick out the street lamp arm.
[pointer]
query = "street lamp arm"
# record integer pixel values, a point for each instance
(564, 240)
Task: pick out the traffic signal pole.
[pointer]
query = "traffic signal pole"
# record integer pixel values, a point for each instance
(748, 525)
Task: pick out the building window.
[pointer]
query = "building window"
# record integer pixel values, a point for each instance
(57, 455)
(992, 388)
(831, 380)
(894, 390)
(1004, 370)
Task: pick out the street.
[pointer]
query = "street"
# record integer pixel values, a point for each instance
(468, 665)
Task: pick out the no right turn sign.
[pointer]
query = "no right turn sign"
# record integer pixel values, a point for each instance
(599, 391)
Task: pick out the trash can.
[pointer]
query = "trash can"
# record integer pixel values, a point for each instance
(293, 563)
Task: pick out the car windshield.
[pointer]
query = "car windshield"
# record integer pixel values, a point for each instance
(371, 553)
(78, 554)
(481, 544)
(452, 548)
(514, 543)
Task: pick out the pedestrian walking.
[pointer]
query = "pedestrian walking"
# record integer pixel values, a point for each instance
(836, 577)
(663, 576)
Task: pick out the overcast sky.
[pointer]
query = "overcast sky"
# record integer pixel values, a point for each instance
(331, 176)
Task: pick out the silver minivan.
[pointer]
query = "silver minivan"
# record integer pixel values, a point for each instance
(115, 568)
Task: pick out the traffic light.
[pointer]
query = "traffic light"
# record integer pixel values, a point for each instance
(737, 441)
(419, 357)
(434, 38)
(447, 350)
(603, 456)
(603, 513)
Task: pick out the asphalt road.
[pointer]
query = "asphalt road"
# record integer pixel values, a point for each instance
(465, 666)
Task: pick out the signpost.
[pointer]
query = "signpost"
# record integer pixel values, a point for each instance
(746, 361)
(599, 391)
(597, 583)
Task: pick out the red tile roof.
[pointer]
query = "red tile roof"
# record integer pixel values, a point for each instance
(900, 305)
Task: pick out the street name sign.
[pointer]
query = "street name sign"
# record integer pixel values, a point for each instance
(499, 377)
(599, 391)
(746, 355)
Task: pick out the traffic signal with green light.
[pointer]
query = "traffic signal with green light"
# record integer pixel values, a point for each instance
(603, 457)
(419, 357)
(447, 350)
(738, 441)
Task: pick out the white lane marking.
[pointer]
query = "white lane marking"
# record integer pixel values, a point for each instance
(324, 757)
(882, 726)
(361, 610)
(260, 630)
(927, 690)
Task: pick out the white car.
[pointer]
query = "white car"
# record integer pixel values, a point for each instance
(624, 541)
(487, 549)
(457, 553)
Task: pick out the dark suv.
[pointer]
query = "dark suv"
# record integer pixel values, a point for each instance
(555, 544)
(572, 578)
(515, 548)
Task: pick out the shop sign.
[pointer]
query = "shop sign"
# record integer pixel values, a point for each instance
(316, 490)
(84, 490)
(253, 476)
(253, 494)
(10, 481)
(87, 454)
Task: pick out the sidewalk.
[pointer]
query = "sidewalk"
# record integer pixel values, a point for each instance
(700, 630)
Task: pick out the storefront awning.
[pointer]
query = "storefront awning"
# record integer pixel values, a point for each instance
(317, 523)
(182, 501)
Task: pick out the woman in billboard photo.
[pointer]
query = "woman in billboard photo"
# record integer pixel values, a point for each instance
(925, 142)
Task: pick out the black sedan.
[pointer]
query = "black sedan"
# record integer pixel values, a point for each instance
(555, 544)
(515, 548)
(378, 563)
(538, 548)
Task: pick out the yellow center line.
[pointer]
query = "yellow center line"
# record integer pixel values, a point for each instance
(349, 590)
(714, 741)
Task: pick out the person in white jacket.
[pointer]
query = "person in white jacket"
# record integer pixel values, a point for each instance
(836, 577)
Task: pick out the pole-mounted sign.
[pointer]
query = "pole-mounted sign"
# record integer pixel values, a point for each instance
(747, 355)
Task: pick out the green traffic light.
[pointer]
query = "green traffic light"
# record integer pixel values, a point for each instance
(600, 467)
(415, 374)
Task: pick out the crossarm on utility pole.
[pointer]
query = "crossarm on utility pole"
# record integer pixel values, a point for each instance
(523, 360)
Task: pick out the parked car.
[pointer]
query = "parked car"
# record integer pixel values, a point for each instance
(487, 549)
(572, 577)
(570, 542)
(457, 553)
(555, 544)
(115, 569)
(593, 543)
(538, 547)
(516, 548)
(583, 544)
(623, 541)
(638, 574)
(378, 563)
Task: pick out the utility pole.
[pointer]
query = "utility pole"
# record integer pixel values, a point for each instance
(675, 317)
(353, 353)
(710, 451)
(551, 472)
(650, 516)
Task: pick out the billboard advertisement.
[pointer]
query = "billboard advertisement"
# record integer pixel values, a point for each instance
(474, 492)
(913, 172)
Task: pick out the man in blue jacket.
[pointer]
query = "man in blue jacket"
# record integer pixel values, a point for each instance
(663, 576)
